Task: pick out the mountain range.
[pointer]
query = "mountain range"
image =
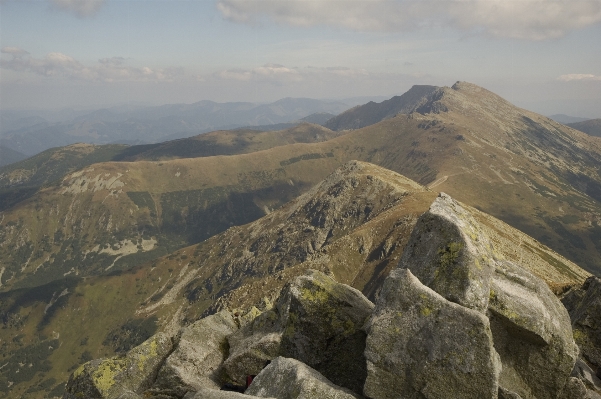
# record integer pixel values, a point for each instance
(32, 134)
(590, 126)
(102, 246)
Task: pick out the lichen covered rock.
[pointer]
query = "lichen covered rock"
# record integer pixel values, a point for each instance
(196, 362)
(421, 345)
(315, 320)
(286, 378)
(128, 375)
(448, 253)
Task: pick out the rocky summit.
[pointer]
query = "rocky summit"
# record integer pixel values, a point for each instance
(454, 319)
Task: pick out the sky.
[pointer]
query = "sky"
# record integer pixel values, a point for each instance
(544, 55)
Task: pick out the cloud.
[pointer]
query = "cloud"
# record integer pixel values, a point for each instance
(14, 51)
(524, 19)
(578, 76)
(61, 65)
(81, 8)
(274, 73)
(279, 74)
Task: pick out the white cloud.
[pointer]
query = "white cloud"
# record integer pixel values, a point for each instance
(81, 8)
(278, 74)
(61, 65)
(524, 19)
(273, 73)
(578, 76)
(14, 51)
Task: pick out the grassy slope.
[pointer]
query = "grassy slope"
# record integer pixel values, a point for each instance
(228, 142)
(21, 180)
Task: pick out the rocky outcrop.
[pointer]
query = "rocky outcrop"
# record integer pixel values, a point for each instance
(450, 252)
(120, 377)
(317, 321)
(286, 378)
(454, 319)
(196, 362)
(422, 345)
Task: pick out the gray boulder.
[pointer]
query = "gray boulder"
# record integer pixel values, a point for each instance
(450, 252)
(120, 377)
(420, 345)
(207, 393)
(315, 320)
(196, 362)
(584, 306)
(286, 378)
(532, 333)
(586, 375)
(574, 389)
(507, 394)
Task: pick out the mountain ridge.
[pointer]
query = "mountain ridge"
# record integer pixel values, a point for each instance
(353, 225)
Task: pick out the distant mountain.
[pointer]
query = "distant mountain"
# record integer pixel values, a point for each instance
(566, 119)
(155, 124)
(319, 118)
(8, 156)
(591, 127)
(371, 113)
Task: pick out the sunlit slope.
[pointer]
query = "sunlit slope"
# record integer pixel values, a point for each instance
(20, 180)
(227, 142)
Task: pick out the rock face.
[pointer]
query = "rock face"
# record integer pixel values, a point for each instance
(450, 253)
(317, 321)
(120, 377)
(584, 306)
(196, 362)
(422, 345)
(286, 378)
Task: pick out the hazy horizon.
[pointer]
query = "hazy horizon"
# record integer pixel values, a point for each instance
(93, 54)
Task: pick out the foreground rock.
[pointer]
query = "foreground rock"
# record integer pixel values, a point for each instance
(421, 345)
(315, 320)
(532, 333)
(206, 393)
(120, 377)
(286, 378)
(583, 372)
(196, 362)
(584, 305)
(451, 253)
